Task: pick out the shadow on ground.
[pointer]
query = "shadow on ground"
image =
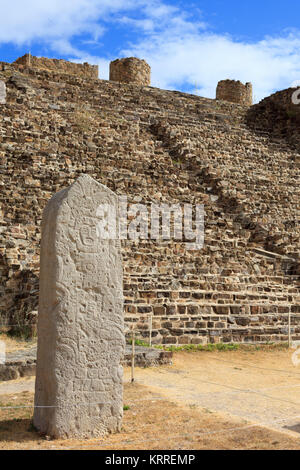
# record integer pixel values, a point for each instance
(18, 430)
(295, 428)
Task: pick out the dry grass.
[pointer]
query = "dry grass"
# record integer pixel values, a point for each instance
(151, 422)
(13, 343)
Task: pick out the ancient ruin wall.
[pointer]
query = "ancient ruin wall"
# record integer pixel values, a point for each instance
(84, 70)
(130, 70)
(279, 114)
(235, 92)
(154, 145)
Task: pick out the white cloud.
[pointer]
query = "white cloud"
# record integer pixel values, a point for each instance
(202, 59)
(180, 49)
(157, 18)
(144, 24)
(102, 63)
(55, 19)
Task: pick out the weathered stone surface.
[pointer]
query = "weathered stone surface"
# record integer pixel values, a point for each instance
(23, 362)
(235, 92)
(279, 115)
(82, 70)
(130, 70)
(2, 92)
(158, 146)
(80, 323)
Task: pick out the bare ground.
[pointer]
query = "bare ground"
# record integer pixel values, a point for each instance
(218, 400)
(260, 386)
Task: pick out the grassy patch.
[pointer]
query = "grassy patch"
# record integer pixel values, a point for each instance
(201, 347)
(139, 342)
(227, 347)
(215, 346)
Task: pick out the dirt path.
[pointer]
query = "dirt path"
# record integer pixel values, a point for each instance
(263, 387)
(208, 400)
(17, 386)
(260, 387)
(150, 422)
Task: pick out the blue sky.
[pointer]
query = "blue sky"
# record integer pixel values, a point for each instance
(190, 46)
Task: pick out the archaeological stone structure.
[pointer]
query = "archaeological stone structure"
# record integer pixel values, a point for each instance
(84, 70)
(235, 92)
(130, 70)
(2, 92)
(156, 146)
(279, 115)
(80, 323)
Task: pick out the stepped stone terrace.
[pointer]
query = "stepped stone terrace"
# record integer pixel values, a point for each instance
(156, 146)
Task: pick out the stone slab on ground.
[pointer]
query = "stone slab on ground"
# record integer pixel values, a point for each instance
(147, 357)
(22, 363)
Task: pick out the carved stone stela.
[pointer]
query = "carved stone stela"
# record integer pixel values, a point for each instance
(79, 390)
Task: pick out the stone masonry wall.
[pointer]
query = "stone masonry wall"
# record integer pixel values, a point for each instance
(130, 70)
(235, 92)
(84, 70)
(156, 146)
(278, 115)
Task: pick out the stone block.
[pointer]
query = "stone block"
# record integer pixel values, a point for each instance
(80, 319)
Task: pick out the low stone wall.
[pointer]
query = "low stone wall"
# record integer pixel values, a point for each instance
(235, 92)
(130, 70)
(84, 70)
(22, 363)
